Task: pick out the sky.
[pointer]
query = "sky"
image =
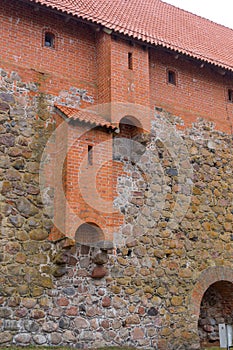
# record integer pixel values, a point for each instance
(219, 11)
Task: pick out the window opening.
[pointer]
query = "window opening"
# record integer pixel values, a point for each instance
(230, 95)
(171, 77)
(49, 39)
(90, 155)
(130, 60)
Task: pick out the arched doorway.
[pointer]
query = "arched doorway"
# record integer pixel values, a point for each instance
(213, 286)
(216, 307)
(89, 234)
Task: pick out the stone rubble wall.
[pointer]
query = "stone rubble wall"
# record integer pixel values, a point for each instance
(178, 222)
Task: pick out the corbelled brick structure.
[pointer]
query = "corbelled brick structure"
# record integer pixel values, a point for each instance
(116, 174)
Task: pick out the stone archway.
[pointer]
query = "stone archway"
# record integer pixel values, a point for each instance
(212, 292)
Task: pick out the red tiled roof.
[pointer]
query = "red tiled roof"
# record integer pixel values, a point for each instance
(85, 116)
(158, 23)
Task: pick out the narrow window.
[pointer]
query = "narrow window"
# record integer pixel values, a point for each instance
(49, 39)
(90, 155)
(171, 77)
(130, 60)
(230, 95)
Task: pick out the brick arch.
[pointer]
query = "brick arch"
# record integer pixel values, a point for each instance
(131, 120)
(205, 280)
(76, 220)
(89, 234)
(130, 127)
(94, 217)
(115, 111)
(140, 115)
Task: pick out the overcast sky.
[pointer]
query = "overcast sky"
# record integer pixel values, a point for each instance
(219, 11)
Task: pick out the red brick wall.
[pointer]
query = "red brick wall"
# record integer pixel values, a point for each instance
(103, 48)
(71, 63)
(199, 92)
(98, 63)
(92, 61)
(129, 85)
(83, 179)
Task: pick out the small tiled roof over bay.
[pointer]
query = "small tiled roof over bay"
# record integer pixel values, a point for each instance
(84, 115)
(158, 23)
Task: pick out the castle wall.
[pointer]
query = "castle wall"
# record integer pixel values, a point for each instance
(146, 293)
(171, 191)
(70, 64)
(200, 91)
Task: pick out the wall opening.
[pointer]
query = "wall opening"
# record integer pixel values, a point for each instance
(216, 307)
(90, 155)
(89, 234)
(49, 39)
(129, 143)
(130, 127)
(230, 95)
(130, 60)
(171, 77)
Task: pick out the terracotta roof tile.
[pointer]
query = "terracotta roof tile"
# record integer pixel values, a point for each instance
(156, 22)
(85, 116)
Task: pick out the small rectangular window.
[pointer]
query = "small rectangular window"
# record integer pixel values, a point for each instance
(230, 95)
(90, 155)
(130, 60)
(171, 77)
(49, 39)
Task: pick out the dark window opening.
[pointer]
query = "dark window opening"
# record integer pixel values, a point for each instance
(49, 39)
(129, 253)
(171, 77)
(230, 95)
(130, 60)
(90, 155)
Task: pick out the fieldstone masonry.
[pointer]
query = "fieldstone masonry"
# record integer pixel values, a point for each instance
(176, 197)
